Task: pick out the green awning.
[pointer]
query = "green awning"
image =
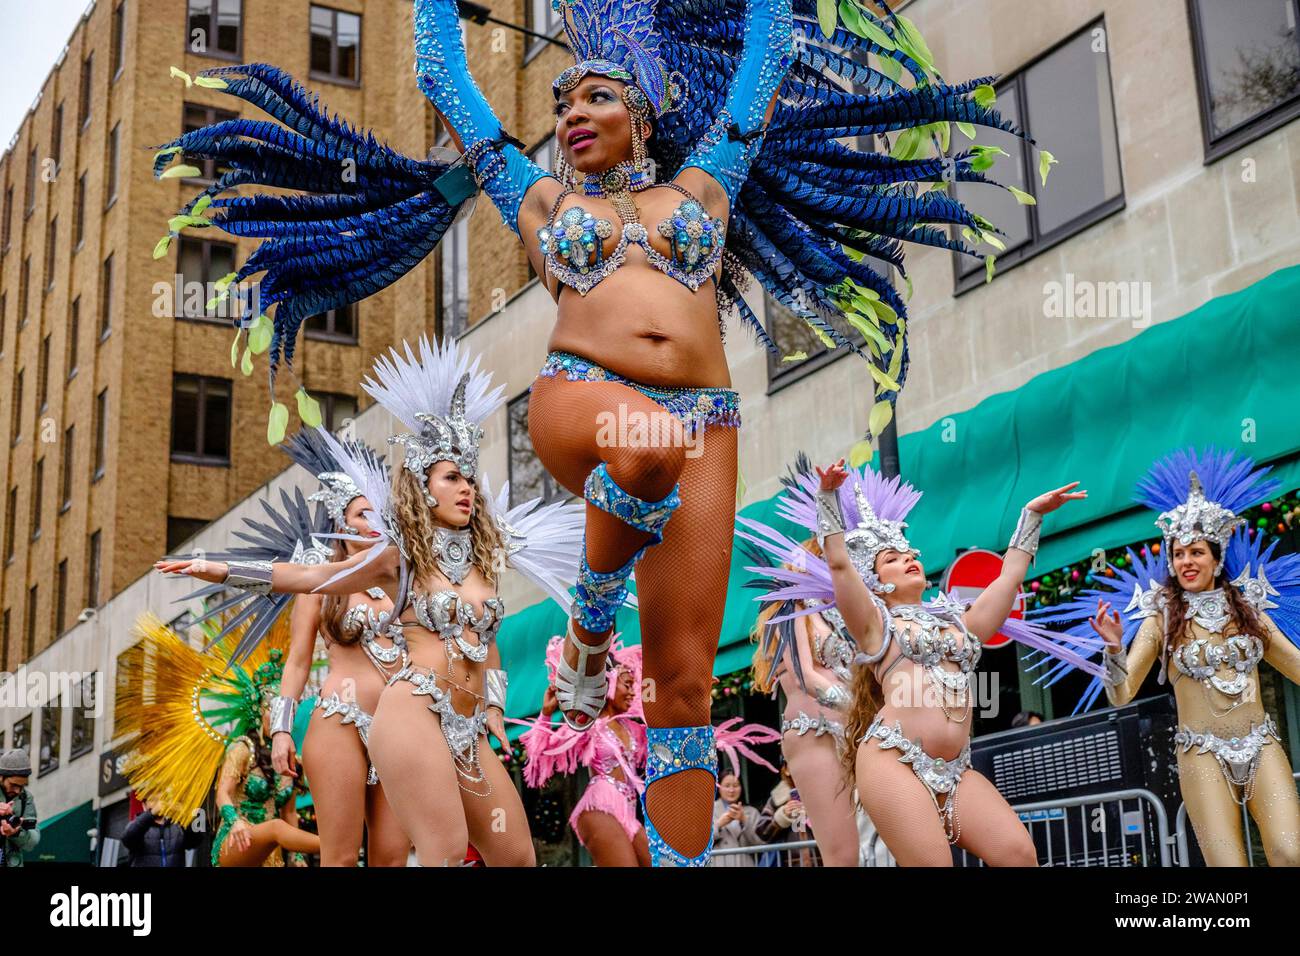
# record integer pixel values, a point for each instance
(64, 837)
(1223, 374)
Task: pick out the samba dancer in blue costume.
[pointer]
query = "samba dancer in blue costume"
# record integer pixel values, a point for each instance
(737, 107)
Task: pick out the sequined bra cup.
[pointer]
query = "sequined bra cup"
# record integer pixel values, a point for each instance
(445, 614)
(362, 620)
(575, 250)
(1202, 660)
(936, 640)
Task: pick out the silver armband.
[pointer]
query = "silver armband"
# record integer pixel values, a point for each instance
(495, 683)
(1028, 530)
(282, 714)
(830, 518)
(1116, 664)
(835, 697)
(251, 576)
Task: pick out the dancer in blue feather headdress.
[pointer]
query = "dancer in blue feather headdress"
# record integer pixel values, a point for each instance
(1205, 606)
(700, 141)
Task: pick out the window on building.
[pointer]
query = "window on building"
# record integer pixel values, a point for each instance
(33, 169)
(129, 670)
(23, 734)
(56, 137)
(540, 17)
(51, 252)
(65, 489)
(453, 279)
(38, 497)
(87, 87)
(43, 377)
(24, 284)
(101, 435)
(1063, 98)
(197, 116)
(8, 213)
(83, 720)
(106, 299)
(114, 155)
(1247, 59)
(215, 28)
(93, 556)
(61, 598)
(79, 214)
(336, 325)
(74, 331)
(200, 420)
(203, 261)
(335, 44)
(33, 616)
(180, 530)
(119, 39)
(11, 517)
(51, 734)
(16, 415)
(528, 476)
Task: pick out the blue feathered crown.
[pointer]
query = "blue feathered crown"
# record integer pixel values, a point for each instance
(616, 38)
(1200, 494)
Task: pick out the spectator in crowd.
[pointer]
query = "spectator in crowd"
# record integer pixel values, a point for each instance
(1026, 718)
(733, 824)
(153, 840)
(783, 818)
(18, 832)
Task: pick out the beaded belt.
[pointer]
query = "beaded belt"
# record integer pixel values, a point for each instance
(935, 773)
(819, 725)
(694, 407)
(1238, 757)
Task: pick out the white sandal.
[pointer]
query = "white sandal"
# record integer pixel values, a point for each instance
(575, 689)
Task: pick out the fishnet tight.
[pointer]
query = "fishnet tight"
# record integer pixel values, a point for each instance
(681, 582)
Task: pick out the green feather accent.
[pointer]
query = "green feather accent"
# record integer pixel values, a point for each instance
(308, 409)
(276, 424)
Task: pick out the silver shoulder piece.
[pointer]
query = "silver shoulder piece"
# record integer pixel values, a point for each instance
(318, 553)
(1028, 531)
(1257, 591)
(1145, 602)
(251, 576)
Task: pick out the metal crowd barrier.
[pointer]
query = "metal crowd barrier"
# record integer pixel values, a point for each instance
(1065, 837)
(790, 853)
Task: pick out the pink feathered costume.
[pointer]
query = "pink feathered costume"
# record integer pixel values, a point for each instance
(557, 748)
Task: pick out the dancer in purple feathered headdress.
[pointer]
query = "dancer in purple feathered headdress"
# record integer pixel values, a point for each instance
(911, 694)
(1204, 606)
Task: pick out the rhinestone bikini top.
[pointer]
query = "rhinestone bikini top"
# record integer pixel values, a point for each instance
(1201, 659)
(444, 613)
(575, 254)
(936, 639)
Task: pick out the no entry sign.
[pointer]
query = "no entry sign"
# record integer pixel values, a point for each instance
(970, 574)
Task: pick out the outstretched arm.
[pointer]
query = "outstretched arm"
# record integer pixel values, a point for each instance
(1281, 653)
(287, 578)
(994, 604)
(731, 143)
(499, 166)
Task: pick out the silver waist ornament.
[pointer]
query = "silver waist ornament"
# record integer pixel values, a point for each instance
(462, 733)
(454, 551)
(939, 776)
(349, 712)
(819, 726)
(1238, 757)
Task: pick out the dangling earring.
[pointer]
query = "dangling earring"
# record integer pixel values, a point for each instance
(564, 172)
(429, 499)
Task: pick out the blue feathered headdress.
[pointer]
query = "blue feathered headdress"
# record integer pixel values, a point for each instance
(617, 38)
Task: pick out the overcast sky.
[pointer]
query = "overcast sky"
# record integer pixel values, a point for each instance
(34, 34)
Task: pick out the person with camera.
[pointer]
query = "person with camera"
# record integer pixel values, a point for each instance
(18, 832)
